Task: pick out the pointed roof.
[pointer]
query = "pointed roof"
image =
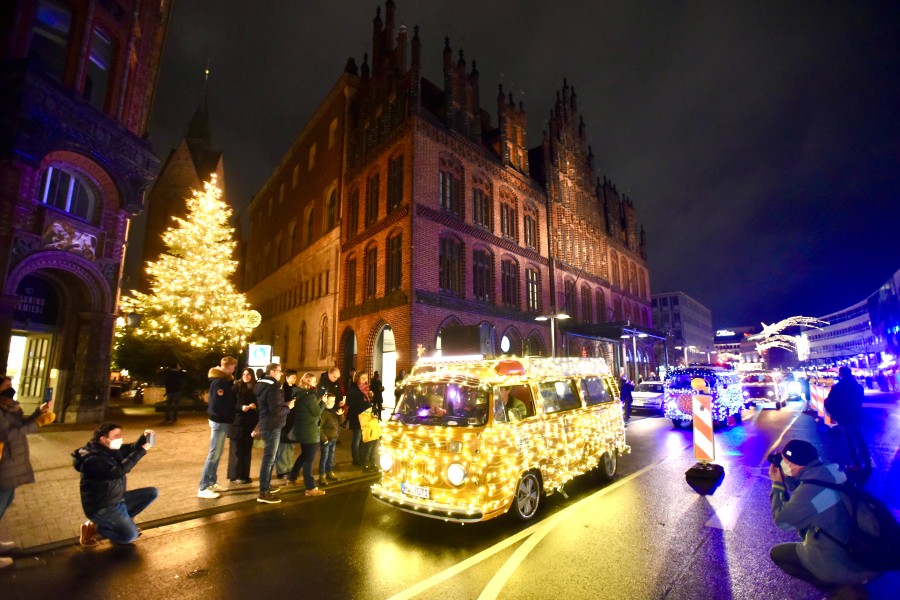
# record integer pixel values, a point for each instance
(199, 139)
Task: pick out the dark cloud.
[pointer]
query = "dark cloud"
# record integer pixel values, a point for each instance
(759, 141)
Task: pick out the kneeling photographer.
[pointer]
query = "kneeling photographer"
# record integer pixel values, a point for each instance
(811, 509)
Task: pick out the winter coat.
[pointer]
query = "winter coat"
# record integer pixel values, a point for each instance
(378, 391)
(326, 386)
(358, 401)
(273, 410)
(844, 401)
(221, 396)
(173, 380)
(244, 422)
(15, 461)
(309, 410)
(290, 392)
(103, 473)
(330, 427)
(810, 508)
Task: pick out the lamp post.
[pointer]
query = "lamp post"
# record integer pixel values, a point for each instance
(552, 318)
(686, 348)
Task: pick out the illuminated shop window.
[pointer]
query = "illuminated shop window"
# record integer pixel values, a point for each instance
(63, 190)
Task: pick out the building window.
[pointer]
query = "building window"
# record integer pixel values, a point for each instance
(63, 190)
(507, 220)
(451, 193)
(614, 269)
(395, 183)
(481, 208)
(311, 162)
(331, 211)
(371, 271)
(533, 290)
(509, 283)
(281, 194)
(395, 264)
(310, 221)
(587, 311)
(530, 232)
(601, 307)
(569, 299)
(332, 133)
(50, 38)
(302, 342)
(351, 282)
(100, 60)
(450, 266)
(295, 177)
(353, 213)
(287, 346)
(323, 338)
(482, 275)
(372, 184)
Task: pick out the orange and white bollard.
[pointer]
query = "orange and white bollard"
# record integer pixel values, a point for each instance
(705, 476)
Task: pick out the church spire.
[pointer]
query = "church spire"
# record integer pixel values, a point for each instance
(198, 128)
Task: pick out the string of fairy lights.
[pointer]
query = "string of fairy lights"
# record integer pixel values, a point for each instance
(723, 385)
(451, 472)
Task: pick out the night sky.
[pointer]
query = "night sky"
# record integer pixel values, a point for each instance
(759, 142)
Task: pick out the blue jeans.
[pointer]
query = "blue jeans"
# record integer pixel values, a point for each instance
(116, 522)
(217, 434)
(284, 460)
(6, 498)
(354, 446)
(305, 461)
(326, 458)
(270, 438)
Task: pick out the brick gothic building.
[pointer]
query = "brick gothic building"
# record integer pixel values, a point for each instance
(444, 218)
(77, 79)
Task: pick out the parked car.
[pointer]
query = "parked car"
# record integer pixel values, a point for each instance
(724, 385)
(649, 395)
(763, 387)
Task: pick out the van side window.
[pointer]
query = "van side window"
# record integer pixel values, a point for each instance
(519, 404)
(558, 396)
(595, 391)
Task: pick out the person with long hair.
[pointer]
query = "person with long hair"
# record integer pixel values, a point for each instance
(240, 447)
(359, 401)
(309, 408)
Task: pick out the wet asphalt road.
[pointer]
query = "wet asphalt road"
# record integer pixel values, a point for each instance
(646, 535)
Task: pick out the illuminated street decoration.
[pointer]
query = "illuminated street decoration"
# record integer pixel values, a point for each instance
(423, 463)
(771, 336)
(724, 387)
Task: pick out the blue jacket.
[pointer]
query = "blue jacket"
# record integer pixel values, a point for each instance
(222, 399)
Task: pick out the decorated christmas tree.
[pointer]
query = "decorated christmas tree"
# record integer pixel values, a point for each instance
(193, 310)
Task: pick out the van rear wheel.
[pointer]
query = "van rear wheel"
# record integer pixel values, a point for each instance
(528, 497)
(608, 465)
(682, 423)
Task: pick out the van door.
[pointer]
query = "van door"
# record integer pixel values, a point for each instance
(559, 404)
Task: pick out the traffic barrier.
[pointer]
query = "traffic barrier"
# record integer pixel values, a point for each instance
(704, 445)
(819, 393)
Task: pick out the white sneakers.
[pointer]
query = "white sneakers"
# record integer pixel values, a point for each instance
(208, 493)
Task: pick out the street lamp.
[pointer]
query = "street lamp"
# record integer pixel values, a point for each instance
(552, 318)
(686, 348)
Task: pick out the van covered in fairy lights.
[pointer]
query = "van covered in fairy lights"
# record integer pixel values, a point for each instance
(723, 385)
(473, 438)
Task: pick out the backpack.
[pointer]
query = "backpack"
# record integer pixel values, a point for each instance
(874, 532)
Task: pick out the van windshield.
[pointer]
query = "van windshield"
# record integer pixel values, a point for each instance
(443, 403)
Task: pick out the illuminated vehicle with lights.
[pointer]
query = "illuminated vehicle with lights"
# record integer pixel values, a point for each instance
(649, 395)
(472, 439)
(724, 386)
(763, 387)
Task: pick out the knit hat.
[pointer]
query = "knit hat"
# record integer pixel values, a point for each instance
(800, 452)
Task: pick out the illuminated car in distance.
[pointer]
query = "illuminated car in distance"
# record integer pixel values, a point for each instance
(724, 387)
(649, 395)
(472, 439)
(763, 387)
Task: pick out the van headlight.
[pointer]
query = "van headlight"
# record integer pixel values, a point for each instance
(746, 394)
(386, 461)
(456, 474)
(770, 393)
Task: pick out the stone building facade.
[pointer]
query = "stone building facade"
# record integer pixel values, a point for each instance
(77, 79)
(448, 219)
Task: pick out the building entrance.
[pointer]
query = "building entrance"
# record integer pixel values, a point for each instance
(384, 360)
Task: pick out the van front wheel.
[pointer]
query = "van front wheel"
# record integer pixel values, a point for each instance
(608, 465)
(682, 423)
(528, 497)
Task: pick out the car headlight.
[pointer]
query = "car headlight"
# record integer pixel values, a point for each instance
(386, 461)
(770, 393)
(456, 474)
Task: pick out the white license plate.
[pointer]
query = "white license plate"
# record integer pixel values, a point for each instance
(416, 491)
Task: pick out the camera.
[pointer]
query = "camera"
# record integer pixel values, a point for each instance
(775, 459)
(151, 439)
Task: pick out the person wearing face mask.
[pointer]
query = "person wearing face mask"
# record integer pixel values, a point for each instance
(104, 463)
(798, 504)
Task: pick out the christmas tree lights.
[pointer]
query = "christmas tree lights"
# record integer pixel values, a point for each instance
(193, 300)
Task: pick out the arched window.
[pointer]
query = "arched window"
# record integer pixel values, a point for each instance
(509, 283)
(450, 264)
(310, 221)
(614, 269)
(482, 202)
(350, 285)
(296, 241)
(483, 275)
(287, 345)
(587, 311)
(451, 185)
(323, 337)
(395, 182)
(353, 213)
(632, 279)
(394, 260)
(371, 281)
(66, 191)
(302, 342)
(601, 307)
(331, 211)
(569, 302)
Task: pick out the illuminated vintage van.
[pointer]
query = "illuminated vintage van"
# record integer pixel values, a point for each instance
(724, 386)
(454, 450)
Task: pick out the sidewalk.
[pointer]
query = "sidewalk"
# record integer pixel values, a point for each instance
(47, 514)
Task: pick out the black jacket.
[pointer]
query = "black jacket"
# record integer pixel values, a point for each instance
(358, 403)
(244, 422)
(103, 472)
(333, 388)
(273, 410)
(221, 396)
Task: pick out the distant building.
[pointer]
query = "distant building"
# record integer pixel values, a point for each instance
(847, 339)
(401, 209)
(77, 79)
(687, 323)
(884, 311)
(730, 344)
